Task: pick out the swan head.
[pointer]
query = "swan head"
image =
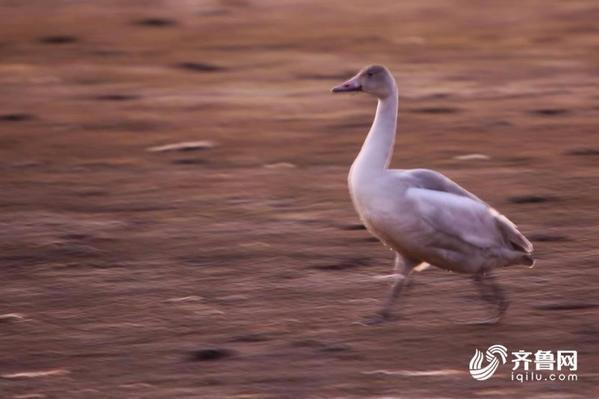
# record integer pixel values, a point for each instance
(374, 79)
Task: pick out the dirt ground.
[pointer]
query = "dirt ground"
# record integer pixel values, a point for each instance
(239, 270)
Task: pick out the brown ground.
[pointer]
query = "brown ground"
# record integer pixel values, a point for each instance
(122, 265)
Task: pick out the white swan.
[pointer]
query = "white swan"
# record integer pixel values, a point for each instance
(422, 215)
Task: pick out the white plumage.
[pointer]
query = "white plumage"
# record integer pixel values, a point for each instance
(422, 215)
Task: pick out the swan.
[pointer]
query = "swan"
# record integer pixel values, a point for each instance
(423, 216)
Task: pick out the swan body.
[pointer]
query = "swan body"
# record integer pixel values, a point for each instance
(422, 215)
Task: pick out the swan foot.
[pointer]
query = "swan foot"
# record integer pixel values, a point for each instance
(378, 318)
(495, 318)
(493, 294)
(391, 277)
(481, 322)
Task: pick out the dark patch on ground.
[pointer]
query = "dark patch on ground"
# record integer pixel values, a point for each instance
(584, 152)
(531, 199)
(156, 22)
(549, 112)
(199, 67)
(58, 39)
(210, 354)
(117, 97)
(19, 117)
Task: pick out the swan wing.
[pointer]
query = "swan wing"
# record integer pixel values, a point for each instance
(459, 217)
(429, 179)
(496, 224)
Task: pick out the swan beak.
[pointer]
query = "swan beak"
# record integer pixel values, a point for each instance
(351, 85)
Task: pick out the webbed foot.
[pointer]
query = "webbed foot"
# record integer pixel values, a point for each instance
(377, 318)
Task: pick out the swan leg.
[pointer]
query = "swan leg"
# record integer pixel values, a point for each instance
(492, 293)
(402, 269)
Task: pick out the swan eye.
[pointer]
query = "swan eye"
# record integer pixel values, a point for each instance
(370, 74)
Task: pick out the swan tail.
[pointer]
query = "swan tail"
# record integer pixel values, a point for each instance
(519, 245)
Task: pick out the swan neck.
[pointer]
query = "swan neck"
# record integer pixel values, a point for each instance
(377, 149)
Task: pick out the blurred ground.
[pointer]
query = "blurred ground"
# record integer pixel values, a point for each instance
(123, 267)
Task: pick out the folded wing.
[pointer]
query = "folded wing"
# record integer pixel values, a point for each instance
(450, 209)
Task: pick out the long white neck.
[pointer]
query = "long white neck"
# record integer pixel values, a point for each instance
(377, 149)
